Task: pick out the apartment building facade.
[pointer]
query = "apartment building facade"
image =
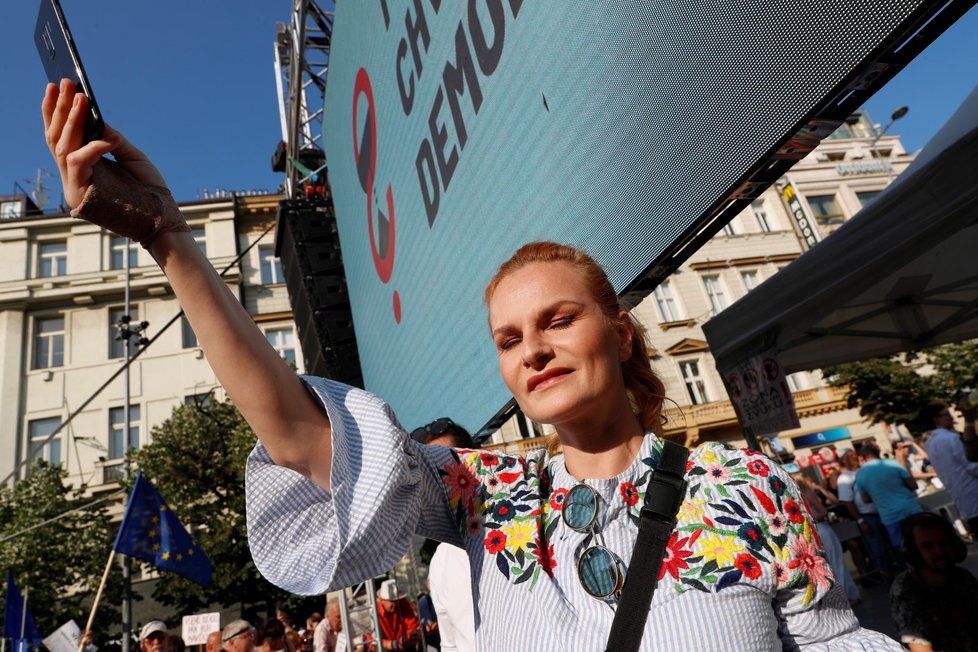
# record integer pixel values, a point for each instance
(62, 292)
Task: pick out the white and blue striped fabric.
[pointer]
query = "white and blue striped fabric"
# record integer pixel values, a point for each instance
(741, 572)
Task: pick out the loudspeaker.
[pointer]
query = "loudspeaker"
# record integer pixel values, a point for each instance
(308, 245)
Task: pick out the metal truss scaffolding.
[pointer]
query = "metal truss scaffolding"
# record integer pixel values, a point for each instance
(301, 63)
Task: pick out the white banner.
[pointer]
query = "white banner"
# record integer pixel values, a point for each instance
(760, 394)
(196, 628)
(65, 639)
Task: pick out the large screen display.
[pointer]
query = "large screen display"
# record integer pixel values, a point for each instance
(458, 130)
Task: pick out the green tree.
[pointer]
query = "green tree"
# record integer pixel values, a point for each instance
(956, 365)
(197, 462)
(60, 562)
(885, 389)
(894, 390)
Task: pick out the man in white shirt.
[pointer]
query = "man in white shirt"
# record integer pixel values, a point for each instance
(864, 513)
(327, 631)
(451, 595)
(947, 455)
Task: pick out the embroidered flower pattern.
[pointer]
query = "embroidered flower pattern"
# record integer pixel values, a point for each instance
(749, 527)
(557, 499)
(741, 520)
(629, 493)
(674, 559)
(503, 499)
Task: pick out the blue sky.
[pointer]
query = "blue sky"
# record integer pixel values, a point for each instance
(192, 83)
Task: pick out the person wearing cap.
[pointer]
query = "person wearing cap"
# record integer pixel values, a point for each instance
(153, 637)
(238, 636)
(400, 628)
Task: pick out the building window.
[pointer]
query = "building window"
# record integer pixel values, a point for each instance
(117, 253)
(117, 348)
(49, 342)
(198, 235)
(187, 334)
(826, 210)
(11, 209)
(202, 400)
(751, 279)
(283, 341)
(118, 442)
(866, 198)
(271, 267)
(695, 383)
(52, 259)
(729, 228)
(714, 290)
(760, 214)
(37, 431)
(668, 307)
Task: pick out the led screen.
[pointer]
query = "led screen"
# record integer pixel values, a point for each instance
(456, 131)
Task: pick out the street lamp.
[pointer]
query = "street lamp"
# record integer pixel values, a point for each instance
(899, 113)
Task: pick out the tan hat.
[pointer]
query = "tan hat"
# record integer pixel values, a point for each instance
(151, 627)
(389, 591)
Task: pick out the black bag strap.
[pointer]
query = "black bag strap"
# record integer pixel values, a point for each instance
(662, 499)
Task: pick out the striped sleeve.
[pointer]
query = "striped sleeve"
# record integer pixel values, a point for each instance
(384, 487)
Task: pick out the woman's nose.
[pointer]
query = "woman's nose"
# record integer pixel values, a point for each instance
(536, 350)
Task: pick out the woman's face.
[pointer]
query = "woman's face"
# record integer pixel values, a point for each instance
(558, 353)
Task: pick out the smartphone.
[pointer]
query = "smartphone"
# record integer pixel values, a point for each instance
(60, 58)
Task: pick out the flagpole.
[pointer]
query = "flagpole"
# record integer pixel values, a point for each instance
(23, 620)
(98, 596)
(126, 443)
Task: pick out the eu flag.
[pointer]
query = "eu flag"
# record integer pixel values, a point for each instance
(18, 623)
(151, 532)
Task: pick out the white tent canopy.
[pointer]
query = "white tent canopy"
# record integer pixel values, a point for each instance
(902, 274)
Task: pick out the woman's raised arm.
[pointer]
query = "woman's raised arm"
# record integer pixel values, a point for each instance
(129, 197)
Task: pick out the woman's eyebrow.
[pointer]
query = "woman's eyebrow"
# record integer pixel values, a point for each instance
(543, 313)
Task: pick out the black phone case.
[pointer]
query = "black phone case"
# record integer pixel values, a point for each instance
(60, 59)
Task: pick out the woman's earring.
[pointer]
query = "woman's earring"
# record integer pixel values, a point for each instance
(632, 403)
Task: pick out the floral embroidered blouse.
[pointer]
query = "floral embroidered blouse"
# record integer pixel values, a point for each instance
(743, 568)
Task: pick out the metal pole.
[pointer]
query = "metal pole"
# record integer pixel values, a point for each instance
(23, 620)
(347, 632)
(899, 113)
(126, 561)
(375, 617)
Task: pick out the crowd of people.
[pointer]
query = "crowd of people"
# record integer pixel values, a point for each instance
(871, 506)
(405, 624)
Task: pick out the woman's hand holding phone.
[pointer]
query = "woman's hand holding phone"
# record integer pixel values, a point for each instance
(64, 111)
(128, 196)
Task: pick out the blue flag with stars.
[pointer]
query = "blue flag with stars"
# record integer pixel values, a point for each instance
(151, 532)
